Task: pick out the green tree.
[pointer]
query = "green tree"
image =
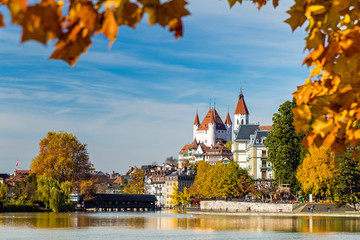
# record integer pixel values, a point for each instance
(348, 188)
(53, 194)
(26, 189)
(285, 149)
(3, 191)
(137, 184)
(63, 158)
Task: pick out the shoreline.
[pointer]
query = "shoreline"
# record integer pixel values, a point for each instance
(279, 214)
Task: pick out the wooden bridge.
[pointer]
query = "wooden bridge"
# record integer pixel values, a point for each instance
(120, 202)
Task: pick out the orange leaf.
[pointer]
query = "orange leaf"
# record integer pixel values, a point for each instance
(70, 48)
(175, 25)
(232, 2)
(17, 9)
(129, 14)
(275, 3)
(171, 10)
(109, 26)
(88, 17)
(2, 23)
(260, 3)
(42, 22)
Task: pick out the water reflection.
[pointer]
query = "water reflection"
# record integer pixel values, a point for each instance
(171, 221)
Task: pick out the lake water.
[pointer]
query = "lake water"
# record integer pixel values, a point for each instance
(172, 225)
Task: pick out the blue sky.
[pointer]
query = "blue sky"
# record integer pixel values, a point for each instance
(135, 103)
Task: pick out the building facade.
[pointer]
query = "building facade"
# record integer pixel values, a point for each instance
(176, 178)
(248, 146)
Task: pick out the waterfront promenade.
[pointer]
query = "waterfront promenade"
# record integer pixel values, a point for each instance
(321, 210)
(279, 214)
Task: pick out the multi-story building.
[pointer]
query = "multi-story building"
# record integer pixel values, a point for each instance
(155, 185)
(176, 178)
(250, 152)
(248, 143)
(200, 152)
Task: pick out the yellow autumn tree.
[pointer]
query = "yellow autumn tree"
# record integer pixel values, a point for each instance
(62, 157)
(136, 185)
(317, 173)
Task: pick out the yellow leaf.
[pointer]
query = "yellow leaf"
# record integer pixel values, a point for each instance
(302, 117)
(347, 18)
(315, 10)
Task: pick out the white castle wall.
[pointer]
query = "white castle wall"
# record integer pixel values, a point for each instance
(243, 206)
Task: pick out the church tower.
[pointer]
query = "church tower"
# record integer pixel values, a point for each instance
(241, 114)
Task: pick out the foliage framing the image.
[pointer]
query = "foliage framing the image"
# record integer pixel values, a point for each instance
(328, 104)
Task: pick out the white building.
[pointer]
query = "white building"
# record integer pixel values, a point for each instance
(248, 146)
(212, 128)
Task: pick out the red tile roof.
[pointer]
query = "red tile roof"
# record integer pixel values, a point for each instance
(228, 120)
(212, 117)
(267, 128)
(241, 106)
(186, 148)
(197, 122)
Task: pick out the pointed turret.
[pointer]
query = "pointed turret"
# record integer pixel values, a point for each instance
(228, 120)
(196, 121)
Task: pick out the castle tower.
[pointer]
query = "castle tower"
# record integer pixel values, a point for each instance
(196, 124)
(241, 114)
(210, 129)
(228, 125)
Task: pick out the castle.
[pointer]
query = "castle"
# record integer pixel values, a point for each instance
(213, 129)
(247, 148)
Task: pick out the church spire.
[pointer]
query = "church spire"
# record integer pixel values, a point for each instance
(241, 105)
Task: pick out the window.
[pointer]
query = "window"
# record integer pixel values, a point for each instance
(257, 140)
(263, 163)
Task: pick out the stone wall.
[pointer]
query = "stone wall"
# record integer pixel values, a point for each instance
(221, 205)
